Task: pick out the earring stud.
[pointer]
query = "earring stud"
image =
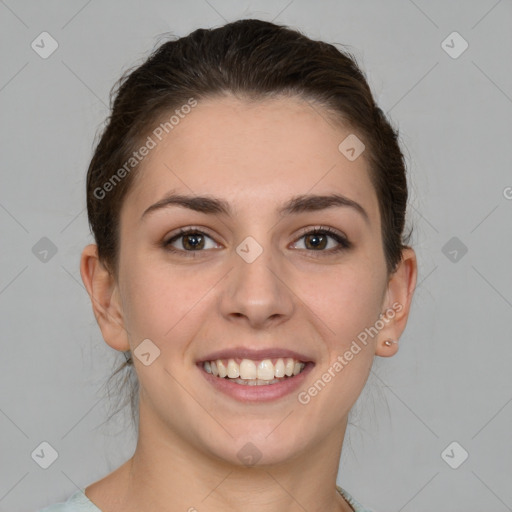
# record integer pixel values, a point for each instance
(389, 342)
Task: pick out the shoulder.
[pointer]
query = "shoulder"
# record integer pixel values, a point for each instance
(78, 502)
(355, 504)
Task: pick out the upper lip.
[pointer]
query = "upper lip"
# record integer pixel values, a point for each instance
(248, 353)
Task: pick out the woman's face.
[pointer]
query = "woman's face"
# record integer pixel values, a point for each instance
(251, 278)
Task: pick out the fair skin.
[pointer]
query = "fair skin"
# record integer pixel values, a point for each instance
(255, 156)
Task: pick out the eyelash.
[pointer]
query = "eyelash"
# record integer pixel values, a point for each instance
(343, 242)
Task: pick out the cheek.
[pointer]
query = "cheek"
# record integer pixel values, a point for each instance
(347, 304)
(161, 300)
(150, 301)
(346, 299)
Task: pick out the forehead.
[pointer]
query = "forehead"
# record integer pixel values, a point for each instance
(255, 151)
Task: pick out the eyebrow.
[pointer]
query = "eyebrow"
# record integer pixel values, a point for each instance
(297, 204)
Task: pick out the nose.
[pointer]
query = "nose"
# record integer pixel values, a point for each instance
(256, 293)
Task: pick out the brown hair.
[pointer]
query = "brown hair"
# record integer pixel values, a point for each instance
(253, 59)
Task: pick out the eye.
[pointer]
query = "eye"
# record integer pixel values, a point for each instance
(317, 238)
(192, 240)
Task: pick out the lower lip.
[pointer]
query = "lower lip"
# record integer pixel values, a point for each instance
(263, 393)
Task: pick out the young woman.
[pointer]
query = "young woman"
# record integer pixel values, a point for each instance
(247, 199)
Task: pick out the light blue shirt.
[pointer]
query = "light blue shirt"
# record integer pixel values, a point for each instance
(79, 502)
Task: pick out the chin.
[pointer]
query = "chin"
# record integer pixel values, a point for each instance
(261, 449)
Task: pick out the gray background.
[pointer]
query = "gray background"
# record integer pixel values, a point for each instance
(450, 380)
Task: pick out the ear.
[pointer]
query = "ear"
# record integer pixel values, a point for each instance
(397, 303)
(104, 294)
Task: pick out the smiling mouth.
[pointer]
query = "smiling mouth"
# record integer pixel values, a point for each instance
(250, 372)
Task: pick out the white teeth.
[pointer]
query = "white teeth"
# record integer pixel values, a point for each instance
(222, 369)
(247, 369)
(279, 368)
(290, 364)
(266, 370)
(256, 382)
(233, 369)
(253, 372)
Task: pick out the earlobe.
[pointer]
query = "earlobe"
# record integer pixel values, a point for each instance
(397, 304)
(103, 292)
